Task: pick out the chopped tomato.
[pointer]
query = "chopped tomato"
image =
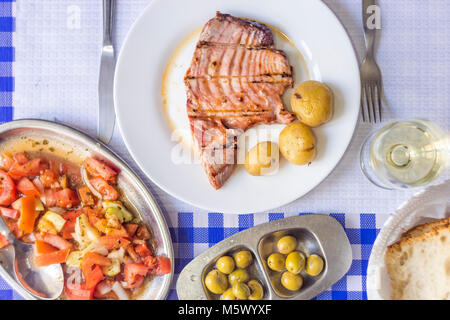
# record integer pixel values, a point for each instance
(27, 187)
(30, 169)
(99, 168)
(9, 213)
(3, 241)
(117, 232)
(47, 178)
(69, 226)
(110, 242)
(47, 259)
(86, 196)
(163, 266)
(95, 219)
(68, 230)
(20, 158)
(67, 198)
(142, 250)
(93, 276)
(92, 258)
(28, 214)
(6, 162)
(71, 215)
(54, 240)
(43, 247)
(134, 274)
(78, 292)
(107, 191)
(131, 228)
(90, 267)
(8, 193)
(103, 226)
(13, 226)
(159, 266)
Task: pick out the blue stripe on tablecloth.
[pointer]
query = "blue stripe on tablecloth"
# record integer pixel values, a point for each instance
(7, 27)
(7, 56)
(7, 24)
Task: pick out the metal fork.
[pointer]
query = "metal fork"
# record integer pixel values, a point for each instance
(106, 114)
(371, 80)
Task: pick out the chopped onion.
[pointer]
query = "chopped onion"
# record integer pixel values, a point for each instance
(103, 288)
(31, 237)
(58, 210)
(101, 250)
(37, 182)
(117, 254)
(84, 176)
(120, 291)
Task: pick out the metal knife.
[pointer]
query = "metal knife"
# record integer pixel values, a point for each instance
(106, 113)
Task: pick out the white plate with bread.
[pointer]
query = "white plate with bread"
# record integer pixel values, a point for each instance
(410, 259)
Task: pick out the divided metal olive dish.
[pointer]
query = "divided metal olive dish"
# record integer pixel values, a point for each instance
(74, 146)
(316, 234)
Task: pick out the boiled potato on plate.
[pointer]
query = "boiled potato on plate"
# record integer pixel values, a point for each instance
(297, 143)
(312, 102)
(262, 159)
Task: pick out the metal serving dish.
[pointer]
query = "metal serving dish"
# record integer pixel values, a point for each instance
(319, 234)
(74, 145)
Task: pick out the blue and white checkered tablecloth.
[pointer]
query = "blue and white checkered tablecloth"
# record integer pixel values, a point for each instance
(191, 238)
(55, 77)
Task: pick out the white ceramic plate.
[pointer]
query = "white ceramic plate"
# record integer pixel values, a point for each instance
(147, 127)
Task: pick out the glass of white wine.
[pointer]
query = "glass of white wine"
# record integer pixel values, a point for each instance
(405, 154)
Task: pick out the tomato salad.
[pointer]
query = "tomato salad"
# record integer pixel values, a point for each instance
(74, 216)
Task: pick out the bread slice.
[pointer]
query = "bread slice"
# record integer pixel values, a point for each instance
(419, 265)
(418, 230)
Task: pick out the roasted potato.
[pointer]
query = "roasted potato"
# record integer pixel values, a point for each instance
(262, 159)
(312, 102)
(297, 144)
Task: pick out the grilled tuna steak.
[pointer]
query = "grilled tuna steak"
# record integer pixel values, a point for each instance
(235, 82)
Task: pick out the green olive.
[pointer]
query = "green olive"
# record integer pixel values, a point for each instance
(243, 259)
(276, 262)
(228, 295)
(290, 281)
(216, 282)
(314, 265)
(225, 264)
(238, 276)
(257, 291)
(241, 291)
(295, 262)
(287, 244)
